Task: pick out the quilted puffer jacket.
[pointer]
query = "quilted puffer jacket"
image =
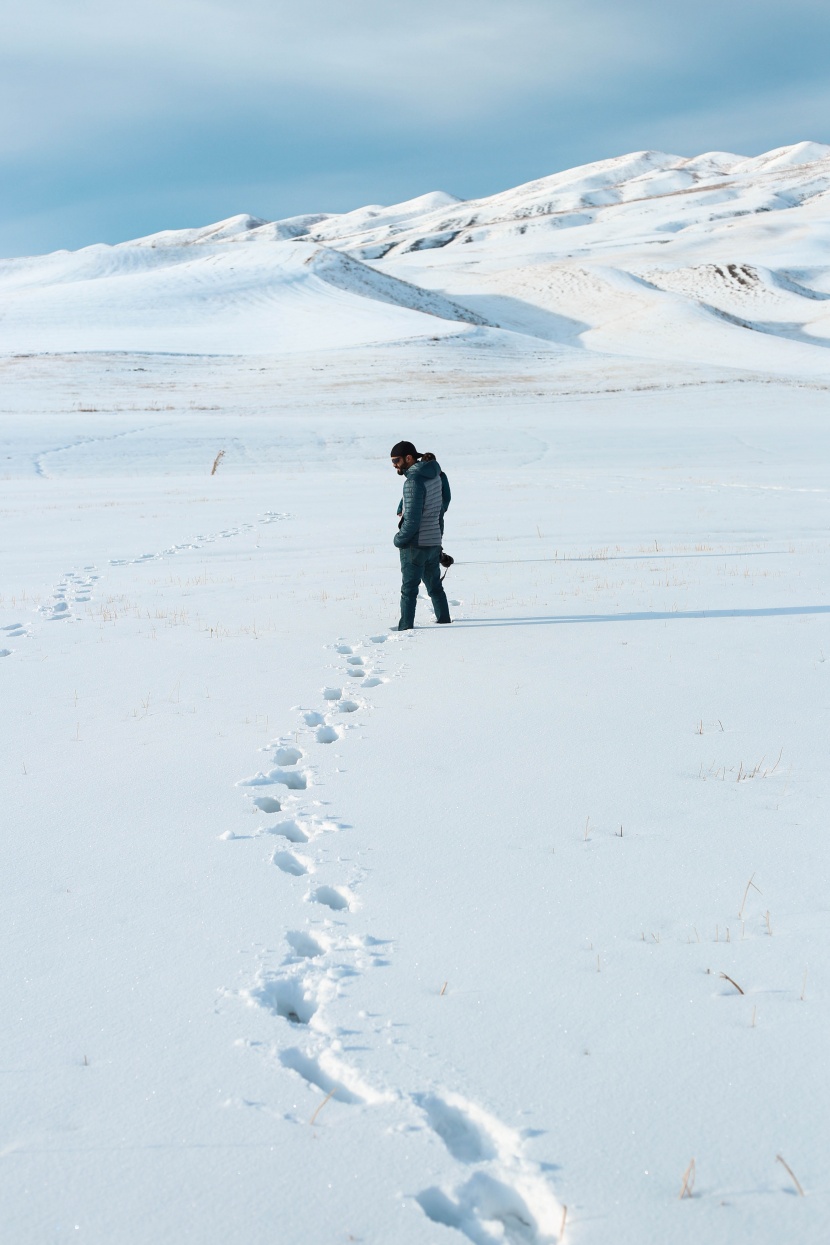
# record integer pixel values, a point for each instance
(426, 497)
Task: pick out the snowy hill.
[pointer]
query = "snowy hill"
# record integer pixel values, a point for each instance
(578, 197)
(198, 293)
(718, 258)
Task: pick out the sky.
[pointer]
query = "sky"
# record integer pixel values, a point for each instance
(120, 119)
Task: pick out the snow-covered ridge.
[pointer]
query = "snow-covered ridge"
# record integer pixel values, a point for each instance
(787, 176)
(353, 277)
(705, 258)
(801, 172)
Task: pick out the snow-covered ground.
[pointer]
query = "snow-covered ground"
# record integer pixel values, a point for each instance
(314, 932)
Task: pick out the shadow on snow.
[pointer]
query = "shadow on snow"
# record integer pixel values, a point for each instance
(782, 611)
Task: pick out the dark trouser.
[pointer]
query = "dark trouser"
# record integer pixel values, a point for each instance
(421, 564)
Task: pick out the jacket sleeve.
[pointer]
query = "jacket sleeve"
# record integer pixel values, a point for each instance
(400, 507)
(413, 506)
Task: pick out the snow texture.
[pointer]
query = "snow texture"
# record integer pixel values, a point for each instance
(509, 931)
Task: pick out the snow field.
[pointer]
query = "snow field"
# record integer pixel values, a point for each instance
(467, 857)
(511, 931)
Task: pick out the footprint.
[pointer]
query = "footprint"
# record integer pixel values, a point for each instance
(343, 648)
(287, 997)
(487, 1210)
(289, 830)
(311, 1071)
(506, 1197)
(327, 735)
(268, 804)
(378, 639)
(355, 661)
(6, 652)
(348, 706)
(439, 1208)
(294, 779)
(374, 681)
(336, 898)
(59, 610)
(466, 1139)
(289, 863)
(313, 719)
(332, 693)
(303, 945)
(287, 756)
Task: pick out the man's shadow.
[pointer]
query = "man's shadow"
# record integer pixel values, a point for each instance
(779, 611)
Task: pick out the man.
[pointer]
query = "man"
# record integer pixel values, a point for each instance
(426, 496)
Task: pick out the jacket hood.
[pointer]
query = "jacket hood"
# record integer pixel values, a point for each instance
(425, 471)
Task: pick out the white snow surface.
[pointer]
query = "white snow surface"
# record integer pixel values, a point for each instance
(509, 931)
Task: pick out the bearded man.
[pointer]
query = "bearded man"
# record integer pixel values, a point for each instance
(426, 498)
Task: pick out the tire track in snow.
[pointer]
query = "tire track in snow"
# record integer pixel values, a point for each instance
(497, 1193)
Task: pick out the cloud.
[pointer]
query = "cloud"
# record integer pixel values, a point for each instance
(124, 111)
(71, 71)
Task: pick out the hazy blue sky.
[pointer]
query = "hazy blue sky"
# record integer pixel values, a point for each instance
(120, 118)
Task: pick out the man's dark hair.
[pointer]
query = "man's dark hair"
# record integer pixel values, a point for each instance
(402, 449)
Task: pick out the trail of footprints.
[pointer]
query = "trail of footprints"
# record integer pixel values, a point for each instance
(270, 516)
(12, 631)
(76, 587)
(498, 1193)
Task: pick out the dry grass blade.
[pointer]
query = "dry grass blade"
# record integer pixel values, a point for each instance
(320, 1105)
(562, 1225)
(793, 1176)
(217, 460)
(688, 1181)
(732, 982)
(750, 883)
(444, 988)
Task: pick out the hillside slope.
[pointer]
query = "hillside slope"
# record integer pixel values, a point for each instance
(714, 259)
